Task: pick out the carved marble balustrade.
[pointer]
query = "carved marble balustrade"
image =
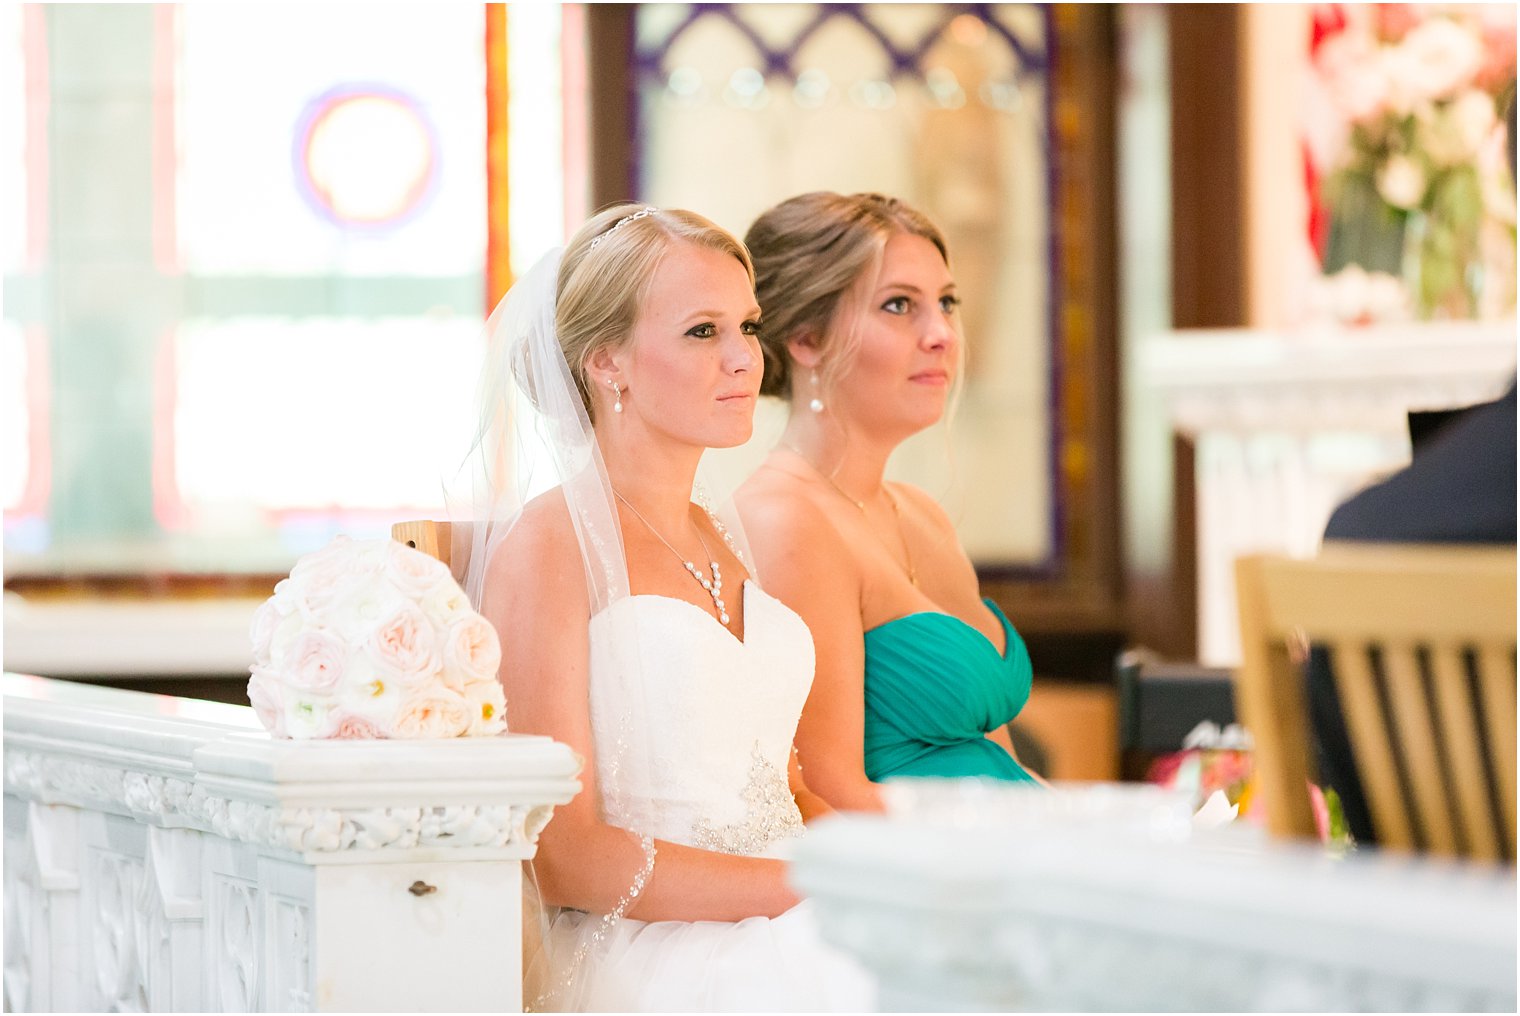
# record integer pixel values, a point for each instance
(1286, 425)
(166, 855)
(1106, 900)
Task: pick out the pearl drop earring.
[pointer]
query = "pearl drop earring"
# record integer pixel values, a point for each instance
(816, 405)
(617, 405)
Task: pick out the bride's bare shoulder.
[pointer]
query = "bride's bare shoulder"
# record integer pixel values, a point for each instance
(540, 547)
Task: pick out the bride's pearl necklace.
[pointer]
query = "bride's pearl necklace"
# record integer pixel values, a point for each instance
(713, 586)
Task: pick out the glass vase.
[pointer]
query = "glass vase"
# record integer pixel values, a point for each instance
(1364, 229)
(1443, 255)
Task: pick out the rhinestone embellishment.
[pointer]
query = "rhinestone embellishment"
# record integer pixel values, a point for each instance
(770, 813)
(619, 224)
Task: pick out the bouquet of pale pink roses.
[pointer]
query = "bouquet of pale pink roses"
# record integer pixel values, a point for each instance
(1416, 94)
(371, 638)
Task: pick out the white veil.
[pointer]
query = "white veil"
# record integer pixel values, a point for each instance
(535, 434)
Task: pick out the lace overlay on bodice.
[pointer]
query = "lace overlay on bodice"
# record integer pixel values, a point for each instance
(703, 696)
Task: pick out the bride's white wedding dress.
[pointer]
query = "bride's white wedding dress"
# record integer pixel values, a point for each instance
(725, 714)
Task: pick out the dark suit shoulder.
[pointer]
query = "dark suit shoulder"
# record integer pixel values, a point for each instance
(1459, 489)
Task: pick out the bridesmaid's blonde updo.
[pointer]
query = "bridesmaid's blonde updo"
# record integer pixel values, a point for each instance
(606, 270)
(809, 251)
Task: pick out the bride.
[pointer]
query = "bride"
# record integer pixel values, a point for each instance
(633, 628)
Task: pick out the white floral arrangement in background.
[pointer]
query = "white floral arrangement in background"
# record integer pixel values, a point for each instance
(374, 639)
(1355, 297)
(1419, 92)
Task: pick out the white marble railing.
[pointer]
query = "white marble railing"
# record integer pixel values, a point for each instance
(1072, 904)
(165, 855)
(1287, 425)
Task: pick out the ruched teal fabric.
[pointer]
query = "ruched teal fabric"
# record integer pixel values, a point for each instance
(934, 687)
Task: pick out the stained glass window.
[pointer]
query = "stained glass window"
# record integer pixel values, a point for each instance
(24, 457)
(270, 226)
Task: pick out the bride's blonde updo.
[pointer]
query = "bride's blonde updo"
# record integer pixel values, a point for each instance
(606, 271)
(809, 251)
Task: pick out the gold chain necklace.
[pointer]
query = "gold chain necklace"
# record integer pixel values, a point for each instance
(713, 586)
(902, 534)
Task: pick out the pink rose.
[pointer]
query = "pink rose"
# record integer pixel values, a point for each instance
(404, 642)
(317, 663)
(1498, 26)
(1394, 21)
(263, 695)
(412, 571)
(432, 712)
(346, 726)
(471, 652)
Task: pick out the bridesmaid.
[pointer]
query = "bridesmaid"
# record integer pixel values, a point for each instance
(916, 673)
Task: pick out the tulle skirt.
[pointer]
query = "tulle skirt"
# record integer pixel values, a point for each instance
(758, 964)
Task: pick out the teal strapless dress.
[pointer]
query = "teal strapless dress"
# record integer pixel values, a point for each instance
(934, 687)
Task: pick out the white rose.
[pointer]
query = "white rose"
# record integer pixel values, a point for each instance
(1387, 299)
(1401, 182)
(265, 694)
(1475, 118)
(1401, 92)
(369, 556)
(261, 630)
(340, 547)
(371, 690)
(283, 638)
(488, 708)
(1438, 57)
(1348, 291)
(363, 606)
(305, 714)
(319, 583)
(414, 572)
(446, 603)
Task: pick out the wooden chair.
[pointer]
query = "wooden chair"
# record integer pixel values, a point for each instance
(432, 538)
(1421, 641)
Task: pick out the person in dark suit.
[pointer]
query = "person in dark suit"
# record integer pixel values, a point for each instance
(1459, 488)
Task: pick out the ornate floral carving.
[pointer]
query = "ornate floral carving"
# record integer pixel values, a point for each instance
(20, 889)
(162, 800)
(292, 986)
(235, 934)
(118, 972)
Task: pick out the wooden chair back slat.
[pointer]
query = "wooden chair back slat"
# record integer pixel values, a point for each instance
(1417, 740)
(1356, 685)
(1458, 718)
(1421, 645)
(1266, 705)
(1496, 688)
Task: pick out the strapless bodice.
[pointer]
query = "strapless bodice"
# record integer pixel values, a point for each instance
(694, 728)
(934, 687)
